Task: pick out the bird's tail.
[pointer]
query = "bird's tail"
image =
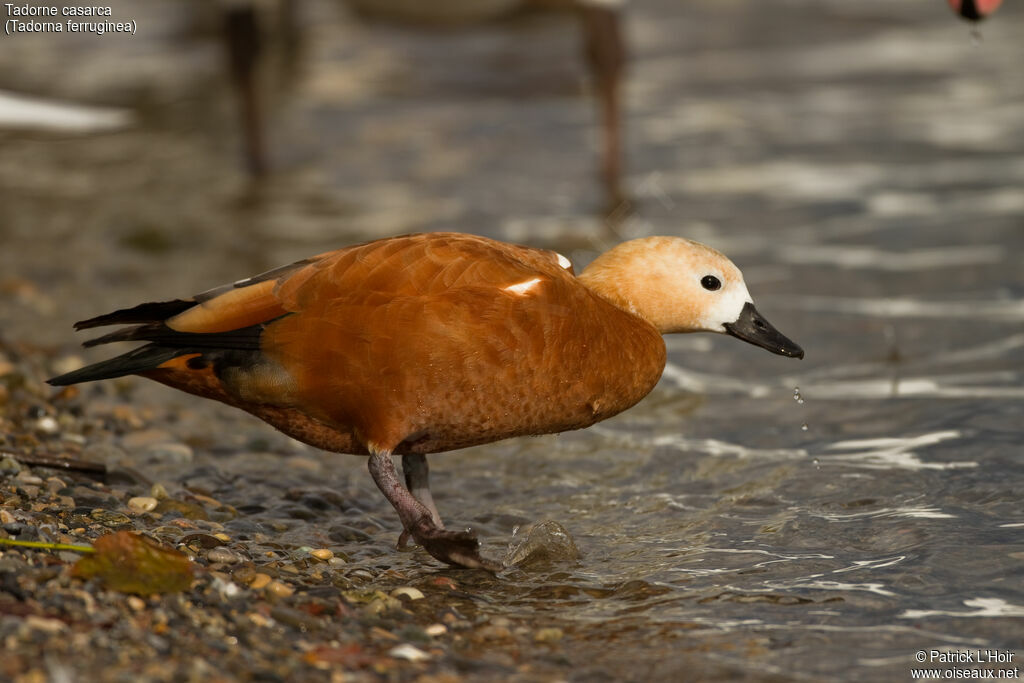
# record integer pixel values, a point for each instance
(144, 358)
(147, 324)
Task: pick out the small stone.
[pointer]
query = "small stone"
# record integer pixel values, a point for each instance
(114, 520)
(259, 581)
(223, 556)
(408, 592)
(494, 633)
(225, 586)
(159, 491)
(47, 425)
(144, 438)
(29, 491)
(200, 540)
(127, 415)
(221, 536)
(26, 477)
(106, 453)
(136, 603)
(545, 541)
(45, 624)
(548, 635)
(322, 554)
(377, 633)
(67, 364)
(279, 590)
(408, 652)
(361, 574)
(142, 503)
(435, 630)
(6, 517)
(172, 453)
(9, 464)
(259, 619)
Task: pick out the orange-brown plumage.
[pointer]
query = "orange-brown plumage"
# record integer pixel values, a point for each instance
(432, 342)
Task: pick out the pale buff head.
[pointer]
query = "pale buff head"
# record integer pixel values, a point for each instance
(679, 285)
(675, 284)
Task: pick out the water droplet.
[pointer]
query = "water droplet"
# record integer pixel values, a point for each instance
(817, 464)
(804, 426)
(800, 400)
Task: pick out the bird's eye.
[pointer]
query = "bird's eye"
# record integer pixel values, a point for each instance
(710, 283)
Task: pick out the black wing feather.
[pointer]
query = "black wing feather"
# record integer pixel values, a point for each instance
(154, 311)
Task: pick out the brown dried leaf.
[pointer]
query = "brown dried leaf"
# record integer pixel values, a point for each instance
(129, 563)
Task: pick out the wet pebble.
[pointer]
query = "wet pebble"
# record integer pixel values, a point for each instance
(494, 632)
(206, 541)
(342, 533)
(139, 439)
(111, 519)
(169, 453)
(47, 425)
(26, 477)
(90, 498)
(407, 592)
(225, 586)
(361, 574)
(44, 624)
(294, 618)
(66, 364)
(548, 635)
(9, 464)
(142, 503)
(408, 652)
(321, 554)
(223, 556)
(259, 581)
(105, 453)
(279, 590)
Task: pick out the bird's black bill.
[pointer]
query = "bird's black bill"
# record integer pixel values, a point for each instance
(751, 327)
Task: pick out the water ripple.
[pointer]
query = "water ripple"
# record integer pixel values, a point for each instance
(982, 607)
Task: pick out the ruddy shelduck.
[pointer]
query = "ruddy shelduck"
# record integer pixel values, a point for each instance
(974, 10)
(431, 342)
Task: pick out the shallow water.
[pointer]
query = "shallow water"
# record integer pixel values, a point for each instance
(863, 163)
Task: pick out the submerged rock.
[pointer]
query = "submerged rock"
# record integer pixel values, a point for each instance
(541, 541)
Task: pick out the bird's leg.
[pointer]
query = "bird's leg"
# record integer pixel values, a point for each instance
(606, 55)
(453, 547)
(417, 474)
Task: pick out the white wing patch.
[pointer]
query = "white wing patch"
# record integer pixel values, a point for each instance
(564, 262)
(521, 288)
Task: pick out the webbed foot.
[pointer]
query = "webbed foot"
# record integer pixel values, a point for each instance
(458, 548)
